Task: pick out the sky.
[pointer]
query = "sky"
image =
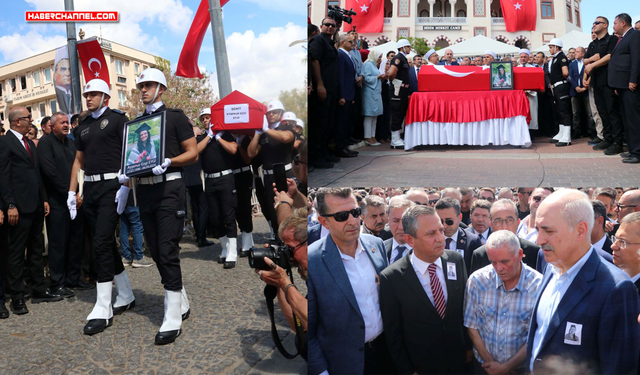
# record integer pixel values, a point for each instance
(594, 8)
(257, 33)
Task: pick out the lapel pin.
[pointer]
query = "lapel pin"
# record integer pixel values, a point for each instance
(373, 249)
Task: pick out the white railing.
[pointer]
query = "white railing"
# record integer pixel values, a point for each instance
(497, 21)
(441, 20)
(387, 21)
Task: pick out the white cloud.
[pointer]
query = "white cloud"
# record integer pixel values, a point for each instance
(16, 46)
(285, 6)
(262, 66)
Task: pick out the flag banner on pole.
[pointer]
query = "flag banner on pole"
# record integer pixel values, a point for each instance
(519, 14)
(62, 80)
(94, 65)
(188, 62)
(369, 17)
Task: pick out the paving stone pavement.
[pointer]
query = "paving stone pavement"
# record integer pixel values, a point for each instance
(542, 164)
(228, 331)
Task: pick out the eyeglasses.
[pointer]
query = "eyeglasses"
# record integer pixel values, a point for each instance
(449, 222)
(622, 206)
(538, 199)
(490, 199)
(344, 215)
(26, 117)
(329, 24)
(623, 243)
(433, 201)
(499, 221)
(597, 23)
(293, 249)
(296, 160)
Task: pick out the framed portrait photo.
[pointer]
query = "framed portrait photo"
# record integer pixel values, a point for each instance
(501, 75)
(143, 146)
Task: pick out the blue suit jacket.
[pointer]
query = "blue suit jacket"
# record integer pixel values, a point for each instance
(313, 234)
(336, 327)
(605, 302)
(575, 77)
(346, 77)
(413, 80)
(541, 264)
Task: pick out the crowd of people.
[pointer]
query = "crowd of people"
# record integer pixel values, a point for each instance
(474, 280)
(359, 95)
(71, 179)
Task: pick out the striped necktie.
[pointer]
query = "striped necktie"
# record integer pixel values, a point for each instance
(436, 289)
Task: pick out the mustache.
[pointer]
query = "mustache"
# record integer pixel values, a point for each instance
(547, 247)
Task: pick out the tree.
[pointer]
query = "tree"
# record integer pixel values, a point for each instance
(418, 45)
(191, 95)
(296, 101)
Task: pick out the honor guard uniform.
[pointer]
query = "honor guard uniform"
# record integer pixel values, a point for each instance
(558, 73)
(399, 78)
(275, 144)
(161, 198)
(243, 178)
(99, 150)
(217, 151)
(298, 128)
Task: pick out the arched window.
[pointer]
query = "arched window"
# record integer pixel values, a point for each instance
(424, 13)
(461, 13)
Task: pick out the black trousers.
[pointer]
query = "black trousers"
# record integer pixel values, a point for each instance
(88, 266)
(609, 110)
(64, 255)
(162, 213)
(244, 184)
(100, 211)
(563, 105)
(377, 359)
(222, 201)
(4, 243)
(630, 108)
(200, 211)
(261, 194)
(546, 114)
(27, 233)
(321, 124)
(268, 183)
(580, 105)
(399, 105)
(344, 126)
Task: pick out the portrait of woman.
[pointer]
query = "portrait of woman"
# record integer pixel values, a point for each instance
(144, 150)
(502, 79)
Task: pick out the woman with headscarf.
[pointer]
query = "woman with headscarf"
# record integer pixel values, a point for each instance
(372, 96)
(145, 149)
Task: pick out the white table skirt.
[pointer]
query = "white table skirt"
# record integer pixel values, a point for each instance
(502, 131)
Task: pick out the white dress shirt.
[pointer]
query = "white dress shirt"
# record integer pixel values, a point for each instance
(99, 112)
(523, 231)
(422, 272)
(362, 276)
(394, 250)
(153, 106)
(454, 242)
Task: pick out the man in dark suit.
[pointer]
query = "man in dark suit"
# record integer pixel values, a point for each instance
(413, 74)
(504, 216)
(448, 58)
(480, 219)
(345, 324)
(4, 313)
(421, 298)
(313, 233)
(396, 246)
(62, 77)
(580, 97)
(26, 201)
(346, 96)
(627, 246)
(456, 238)
(624, 74)
(578, 283)
(599, 237)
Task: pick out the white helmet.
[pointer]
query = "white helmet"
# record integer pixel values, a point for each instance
(403, 43)
(300, 123)
(275, 105)
(288, 116)
(97, 85)
(206, 111)
(153, 75)
(556, 42)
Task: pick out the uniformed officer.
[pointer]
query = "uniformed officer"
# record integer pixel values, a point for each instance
(217, 151)
(243, 178)
(399, 77)
(161, 196)
(558, 73)
(297, 129)
(274, 144)
(99, 150)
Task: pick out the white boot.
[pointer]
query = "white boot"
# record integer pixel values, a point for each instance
(564, 135)
(247, 240)
(224, 241)
(396, 141)
(102, 308)
(232, 253)
(172, 322)
(185, 310)
(125, 299)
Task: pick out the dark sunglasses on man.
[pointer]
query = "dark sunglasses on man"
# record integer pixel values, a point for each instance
(344, 215)
(329, 24)
(449, 222)
(538, 199)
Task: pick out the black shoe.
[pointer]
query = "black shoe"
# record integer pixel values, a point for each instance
(18, 307)
(228, 265)
(322, 164)
(46, 296)
(625, 154)
(602, 145)
(185, 316)
(594, 141)
(94, 326)
(120, 309)
(346, 153)
(613, 150)
(81, 285)
(244, 253)
(331, 158)
(631, 160)
(62, 291)
(553, 140)
(576, 136)
(205, 243)
(221, 260)
(163, 338)
(4, 313)
(562, 144)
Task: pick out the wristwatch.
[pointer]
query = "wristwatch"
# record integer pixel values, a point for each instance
(11, 206)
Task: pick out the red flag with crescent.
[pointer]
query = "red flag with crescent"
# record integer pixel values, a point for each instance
(519, 14)
(92, 59)
(369, 16)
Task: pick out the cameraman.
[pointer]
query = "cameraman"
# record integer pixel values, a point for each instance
(293, 232)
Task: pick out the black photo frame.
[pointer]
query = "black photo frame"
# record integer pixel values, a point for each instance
(501, 81)
(140, 152)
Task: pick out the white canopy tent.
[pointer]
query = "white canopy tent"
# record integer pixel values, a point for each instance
(572, 39)
(478, 44)
(384, 48)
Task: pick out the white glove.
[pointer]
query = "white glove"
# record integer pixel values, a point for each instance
(258, 132)
(121, 198)
(210, 133)
(160, 169)
(71, 204)
(122, 178)
(265, 125)
(219, 135)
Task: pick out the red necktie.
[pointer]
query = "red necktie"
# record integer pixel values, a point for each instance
(619, 39)
(26, 145)
(447, 244)
(436, 289)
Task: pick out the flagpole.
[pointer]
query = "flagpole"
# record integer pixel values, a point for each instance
(220, 49)
(72, 45)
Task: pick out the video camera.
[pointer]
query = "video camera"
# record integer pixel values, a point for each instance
(340, 14)
(279, 254)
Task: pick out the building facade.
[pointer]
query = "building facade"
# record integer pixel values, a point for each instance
(29, 82)
(446, 22)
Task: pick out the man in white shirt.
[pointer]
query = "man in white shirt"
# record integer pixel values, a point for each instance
(396, 247)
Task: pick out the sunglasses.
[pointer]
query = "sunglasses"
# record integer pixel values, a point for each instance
(344, 215)
(449, 222)
(329, 24)
(538, 199)
(433, 201)
(622, 206)
(597, 23)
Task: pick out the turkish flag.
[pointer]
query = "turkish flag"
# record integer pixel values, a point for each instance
(238, 113)
(188, 62)
(369, 17)
(92, 59)
(519, 14)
